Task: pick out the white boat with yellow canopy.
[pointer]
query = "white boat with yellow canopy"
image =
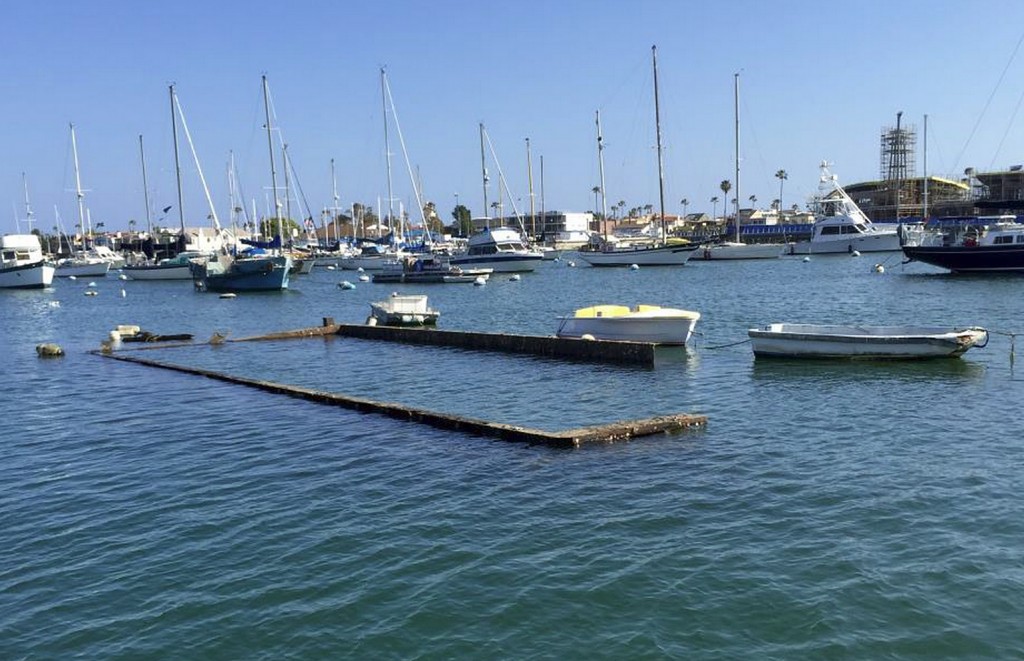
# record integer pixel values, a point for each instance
(642, 323)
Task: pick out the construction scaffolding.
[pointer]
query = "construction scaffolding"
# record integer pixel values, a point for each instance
(898, 150)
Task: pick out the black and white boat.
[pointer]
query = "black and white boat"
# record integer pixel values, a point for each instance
(987, 244)
(22, 265)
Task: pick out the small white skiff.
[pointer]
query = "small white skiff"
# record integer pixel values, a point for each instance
(864, 342)
(643, 323)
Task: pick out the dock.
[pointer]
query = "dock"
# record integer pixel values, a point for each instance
(519, 344)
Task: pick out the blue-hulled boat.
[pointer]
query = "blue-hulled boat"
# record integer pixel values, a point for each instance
(249, 273)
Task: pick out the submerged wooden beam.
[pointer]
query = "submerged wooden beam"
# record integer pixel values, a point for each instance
(572, 438)
(638, 353)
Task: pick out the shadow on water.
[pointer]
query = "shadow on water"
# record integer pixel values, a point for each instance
(941, 369)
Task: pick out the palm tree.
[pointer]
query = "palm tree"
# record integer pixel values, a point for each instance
(781, 176)
(714, 208)
(685, 202)
(726, 186)
(753, 201)
(595, 190)
(622, 207)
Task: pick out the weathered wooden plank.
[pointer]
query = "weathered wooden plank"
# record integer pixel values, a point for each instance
(573, 438)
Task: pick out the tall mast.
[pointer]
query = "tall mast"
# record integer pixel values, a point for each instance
(334, 188)
(600, 166)
(483, 169)
(543, 213)
(273, 170)
(79, 193)
(387, 146)
(902, 163)
(529, 176)
(177, 163)
(657, 128)
(145, 188)
(736, 113)
(29, 216)
(924, 208)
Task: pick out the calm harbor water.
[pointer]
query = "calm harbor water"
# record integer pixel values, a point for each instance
(828, 510)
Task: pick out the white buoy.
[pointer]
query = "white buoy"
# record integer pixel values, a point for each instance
(364, 278)
(122, 277)
(90, 292)
(360, 269)
(879, 268)
(229, 295)
(855, 253)
(634, 267)
(570, 263)
(331, 267)
(514, 277)
(91, 284)
(587, 336)
(123, 293)
(807, 259)
(345, 284)
(72, 277)
(480, 281)
(54, 304)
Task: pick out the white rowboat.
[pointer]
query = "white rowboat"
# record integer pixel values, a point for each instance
(864, 342)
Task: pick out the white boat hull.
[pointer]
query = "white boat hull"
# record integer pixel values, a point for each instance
(736, 250)
(500, 263)
(659, 326)
(27, 276)
(641, 256)
(882, 241)
(158, 272)
(84, 270)
(863, 342)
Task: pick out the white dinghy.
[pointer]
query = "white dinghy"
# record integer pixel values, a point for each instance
(864, 342)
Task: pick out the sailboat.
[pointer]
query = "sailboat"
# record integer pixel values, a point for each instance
(178, 267)
(737, 249)
(81, 263)
(664, 252)
(259, 272)
(502, 249)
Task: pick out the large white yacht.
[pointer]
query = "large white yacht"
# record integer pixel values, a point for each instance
(22, 265)
(501, 249)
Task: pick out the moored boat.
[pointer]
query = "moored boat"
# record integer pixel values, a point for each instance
(864, 342)
(427, 269)
(501, 249)
(22, 265)
(841, 226)
(399, 310)
(992, 244)
(643, 323)
(178, 267)
(230, 274)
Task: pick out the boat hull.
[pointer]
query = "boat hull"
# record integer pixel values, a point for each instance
(251, 274)
(500, 262)
(970, 259)
(661, 326)
(37, 275)
(411, 310)
(865, 343)
(87, 270)
(158, 272)
(659, 256)
(734, 250)
(877, 242)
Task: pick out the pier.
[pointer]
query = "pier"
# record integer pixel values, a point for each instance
(522, 344)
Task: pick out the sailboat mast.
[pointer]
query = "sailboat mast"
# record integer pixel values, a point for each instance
(483, 170)
(543, 213)
(177, 163)
(273, 170)
(529, 176)
(657, 129)
(924, 207)
(600, 167)
(736, 115)
(78, 187)
(387, 147)
(29, 216)
(334, 188)
(145, 188)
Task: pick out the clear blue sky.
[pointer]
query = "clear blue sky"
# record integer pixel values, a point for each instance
(818, 81)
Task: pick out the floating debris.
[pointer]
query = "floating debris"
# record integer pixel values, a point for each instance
(879, 268)
(345, 284)
(229, 295)
(364, 277)
(514, 277)
(90, 293)
(480, 281)
(49, 350)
